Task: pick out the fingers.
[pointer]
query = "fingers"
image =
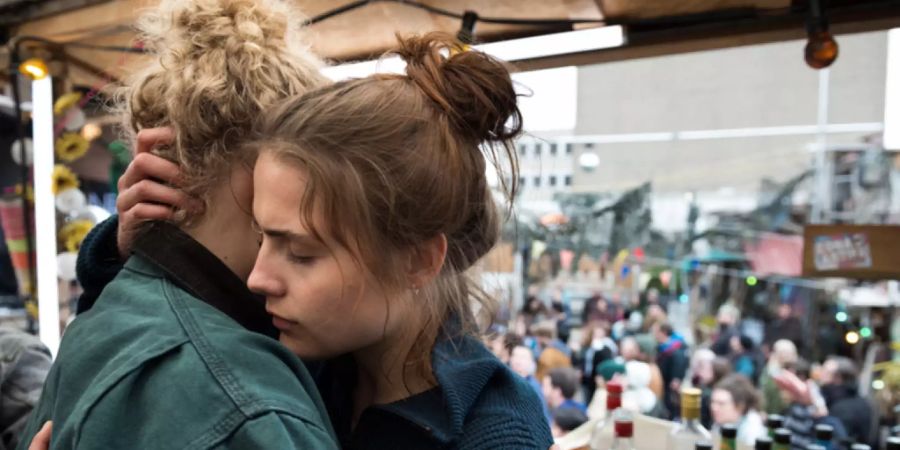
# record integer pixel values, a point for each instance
(149, 191)
(152, 137)
(148, 165)
(41, 440)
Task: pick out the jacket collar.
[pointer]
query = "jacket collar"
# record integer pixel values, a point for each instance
(195, 269)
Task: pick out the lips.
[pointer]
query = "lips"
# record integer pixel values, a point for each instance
(281, 323)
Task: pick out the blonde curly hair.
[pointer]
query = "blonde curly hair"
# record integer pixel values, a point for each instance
(216, 66)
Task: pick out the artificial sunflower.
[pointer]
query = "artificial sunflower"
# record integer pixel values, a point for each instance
(74, 232)
(29, 192)
(71, 146)
(63, 178)
(65, 102)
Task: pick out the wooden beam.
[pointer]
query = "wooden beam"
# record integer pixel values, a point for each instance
(36, 10)
(718, 36)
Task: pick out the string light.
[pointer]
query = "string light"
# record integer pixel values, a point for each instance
(34, 68)
(851, 337)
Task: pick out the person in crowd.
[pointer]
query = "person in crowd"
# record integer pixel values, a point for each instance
(642, 348)
(637, 395)
(608, 370)
(743, 357)
(786, 326)
(561, 318)
(552, 352)
(673, 363)
(24, 364)
(163, 333)
(560, 387)
(784, 352)
(735, 401)
(371, 280)
(522, 363)
(655, 315)
(596, 309)
(629, 325)
(565, 420)
(839, 385)
(502, 345)
(727, 319)
(803, 410)
(534, 311)
(596, 347)
(702, 376)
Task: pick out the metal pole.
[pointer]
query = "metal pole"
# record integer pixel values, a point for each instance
(20, 131)
(822, 207)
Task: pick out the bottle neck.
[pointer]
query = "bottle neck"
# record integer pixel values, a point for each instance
(689, 414)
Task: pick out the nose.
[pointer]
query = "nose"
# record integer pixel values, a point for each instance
(263, 279)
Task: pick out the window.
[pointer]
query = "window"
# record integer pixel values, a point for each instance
(537, 150)
(521, 182)
(569, 149)
(568, 180)
(553, 149)
(537, 181)
(522, 149)
(589, 145)
(552, 180)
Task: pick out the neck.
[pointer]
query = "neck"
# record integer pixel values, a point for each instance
(383, 375)
(225, 228)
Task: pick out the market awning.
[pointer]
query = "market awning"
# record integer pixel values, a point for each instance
(654, 26)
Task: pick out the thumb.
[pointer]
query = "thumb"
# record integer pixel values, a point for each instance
(41, 440)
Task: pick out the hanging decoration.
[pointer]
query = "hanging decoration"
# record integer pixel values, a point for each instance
(71, 146)
(63, 179)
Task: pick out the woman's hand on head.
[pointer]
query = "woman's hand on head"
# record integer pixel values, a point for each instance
(148, 190)
(41, 441)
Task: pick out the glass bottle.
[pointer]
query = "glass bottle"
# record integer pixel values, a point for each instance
(689, 431)
(603, 434)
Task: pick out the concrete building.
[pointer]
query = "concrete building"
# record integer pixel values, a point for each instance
(712, 125)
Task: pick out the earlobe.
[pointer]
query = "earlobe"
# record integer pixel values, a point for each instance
(428, 260)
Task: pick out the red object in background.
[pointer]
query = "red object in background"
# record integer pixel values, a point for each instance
(776, 254)
(639, 254)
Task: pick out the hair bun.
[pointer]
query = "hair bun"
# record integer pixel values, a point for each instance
(185, 28)
(474, 89)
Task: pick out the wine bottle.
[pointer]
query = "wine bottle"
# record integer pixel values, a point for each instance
(689, 431)
(603, 434)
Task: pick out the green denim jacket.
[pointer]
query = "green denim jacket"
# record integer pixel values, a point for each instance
(152, 366)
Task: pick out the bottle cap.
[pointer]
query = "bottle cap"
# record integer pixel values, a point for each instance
(763, 443)
(782, 436)
(703, 445)
(690, 398)
(893, 443)
(824, 432)
(774, 421)
(624, 428)
(729, 431)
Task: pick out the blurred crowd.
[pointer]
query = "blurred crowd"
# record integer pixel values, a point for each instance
(743, 382)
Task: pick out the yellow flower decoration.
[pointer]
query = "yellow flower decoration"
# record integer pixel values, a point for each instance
(71, 146)
(74, 232)
(29, 192)
(65, 102)
(63, 178)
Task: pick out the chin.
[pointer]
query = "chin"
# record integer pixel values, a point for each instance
(303, 349)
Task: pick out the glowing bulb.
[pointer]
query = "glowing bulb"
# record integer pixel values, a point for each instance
(751, 281)
(841, 316)
(34, 68)
(91, 131)
(852, 337)
(821, 50)
(683, 298)
(878, 385)
(865, 332)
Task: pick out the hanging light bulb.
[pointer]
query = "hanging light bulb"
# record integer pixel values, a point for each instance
(821, 48)
(34, 68)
